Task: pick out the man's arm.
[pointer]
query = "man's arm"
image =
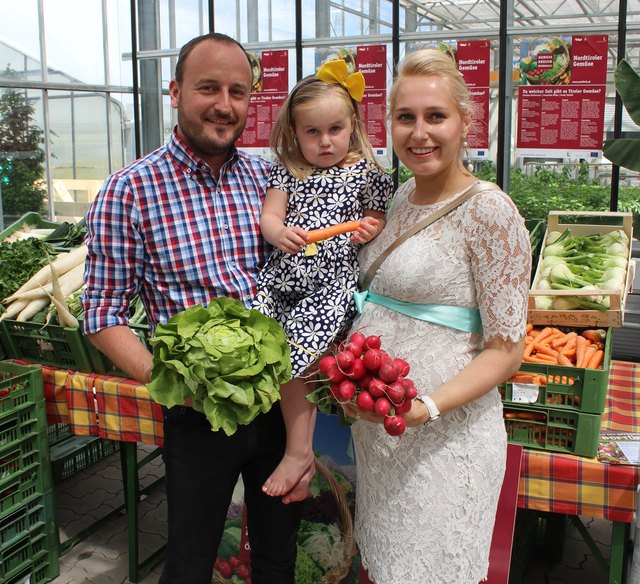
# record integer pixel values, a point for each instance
(125, 349)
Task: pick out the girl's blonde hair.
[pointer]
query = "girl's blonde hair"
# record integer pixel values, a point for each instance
(283, 135)
(434, 63)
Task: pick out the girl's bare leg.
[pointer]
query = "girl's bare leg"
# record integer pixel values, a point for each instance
(298, 460)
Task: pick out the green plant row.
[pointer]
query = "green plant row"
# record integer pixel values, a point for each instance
(547, 190)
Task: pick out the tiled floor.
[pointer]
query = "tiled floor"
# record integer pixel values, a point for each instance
(102, 558)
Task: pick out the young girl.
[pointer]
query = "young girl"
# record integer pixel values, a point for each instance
(326, 173)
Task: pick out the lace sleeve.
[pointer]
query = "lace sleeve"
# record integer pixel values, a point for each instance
(501, 262)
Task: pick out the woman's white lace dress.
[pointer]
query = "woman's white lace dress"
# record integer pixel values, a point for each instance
(426, 502)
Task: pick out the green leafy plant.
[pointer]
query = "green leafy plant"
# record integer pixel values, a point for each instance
(228, 359)
(625, 152)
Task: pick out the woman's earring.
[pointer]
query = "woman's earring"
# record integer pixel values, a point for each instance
(467, 163)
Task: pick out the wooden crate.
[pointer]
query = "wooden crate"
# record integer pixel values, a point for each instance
(614, 316)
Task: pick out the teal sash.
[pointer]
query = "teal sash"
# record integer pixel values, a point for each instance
(460, 318)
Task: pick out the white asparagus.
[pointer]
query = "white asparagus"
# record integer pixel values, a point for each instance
(69, 282)
(33, 308)
(63, 263)
(14, 309)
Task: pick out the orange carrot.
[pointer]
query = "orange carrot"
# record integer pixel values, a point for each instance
(596, 361)
(589, 352)
(539, 360)
(564, 360)
(525, 416)
(581, 345)
(528, 328)
(594, 335)
(545, 350)
(316, 235)
(563, 340)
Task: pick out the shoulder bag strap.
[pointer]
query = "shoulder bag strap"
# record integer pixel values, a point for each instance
(471, 190)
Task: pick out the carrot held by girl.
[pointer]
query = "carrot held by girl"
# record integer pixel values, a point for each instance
(325, 174)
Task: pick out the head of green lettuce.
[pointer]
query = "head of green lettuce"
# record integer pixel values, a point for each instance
(229, 359)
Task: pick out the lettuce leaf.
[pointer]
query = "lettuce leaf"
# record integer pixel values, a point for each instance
(229, 359)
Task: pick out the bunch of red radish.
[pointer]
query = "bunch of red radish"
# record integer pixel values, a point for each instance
(363, 373)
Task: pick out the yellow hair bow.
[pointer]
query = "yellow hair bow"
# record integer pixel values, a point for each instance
(336, 72)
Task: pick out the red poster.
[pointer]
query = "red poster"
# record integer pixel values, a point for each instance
(268, 93)
(473, 62)
(589, 62)
(562, 94)
(565, 118)
(372, 63)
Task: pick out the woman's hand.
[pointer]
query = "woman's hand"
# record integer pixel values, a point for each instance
(416, 416)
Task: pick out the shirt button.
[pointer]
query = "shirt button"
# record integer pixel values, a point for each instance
(226, 226)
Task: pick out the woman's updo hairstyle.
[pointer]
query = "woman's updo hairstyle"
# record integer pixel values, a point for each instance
(434, 62)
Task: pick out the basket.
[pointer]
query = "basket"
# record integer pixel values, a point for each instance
(335, 575)
(556, 46)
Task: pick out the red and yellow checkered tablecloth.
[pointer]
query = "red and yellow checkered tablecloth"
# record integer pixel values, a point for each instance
(575, 485)
(100, 405)
(121, 409)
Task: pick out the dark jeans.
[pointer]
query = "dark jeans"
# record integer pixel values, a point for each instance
(202, 469)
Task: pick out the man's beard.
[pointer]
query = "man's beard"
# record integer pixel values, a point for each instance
(204, 142)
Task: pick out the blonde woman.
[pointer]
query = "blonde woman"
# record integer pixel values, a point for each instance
(426, 503)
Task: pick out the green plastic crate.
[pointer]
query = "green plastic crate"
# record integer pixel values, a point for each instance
(23, 519)
(31, 553)
(33, 219)
(28, 453)
(587, 393)
(46, 344)
(553, 429)
(20, 385)
(21, 423)
(77, 453)
(21, 487)
(58, 432)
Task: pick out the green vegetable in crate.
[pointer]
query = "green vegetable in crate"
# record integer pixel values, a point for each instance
(230, 360)
(587, 263)
(18, 262)
(36, 293)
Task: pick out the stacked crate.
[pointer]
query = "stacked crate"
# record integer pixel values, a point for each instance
(564, 414)
(28, 530)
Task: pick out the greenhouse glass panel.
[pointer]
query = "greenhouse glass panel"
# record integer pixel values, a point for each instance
(75, 54)
(20, 41)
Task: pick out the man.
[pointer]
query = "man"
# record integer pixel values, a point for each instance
(180, 227)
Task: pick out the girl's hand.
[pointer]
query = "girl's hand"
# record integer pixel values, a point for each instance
(368, 229)
(290, 239)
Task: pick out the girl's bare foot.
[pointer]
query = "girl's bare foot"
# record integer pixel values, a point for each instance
(287, 475)
(301, 490)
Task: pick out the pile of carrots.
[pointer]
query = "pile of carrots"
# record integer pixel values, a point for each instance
(553, 346)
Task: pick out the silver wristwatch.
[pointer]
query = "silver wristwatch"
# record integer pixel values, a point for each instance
(434, 412)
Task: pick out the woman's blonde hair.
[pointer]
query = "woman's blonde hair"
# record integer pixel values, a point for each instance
(434, 62)
(283, 135)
